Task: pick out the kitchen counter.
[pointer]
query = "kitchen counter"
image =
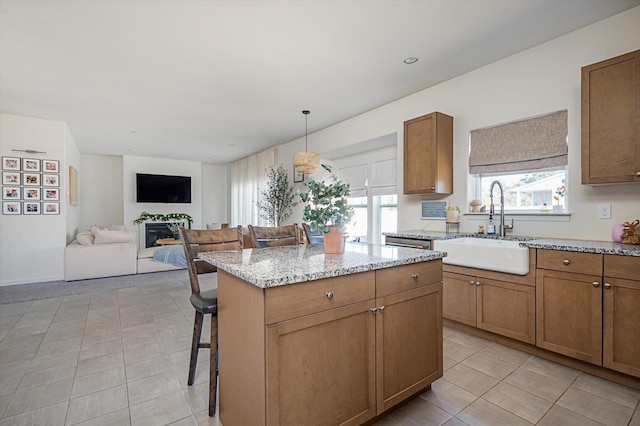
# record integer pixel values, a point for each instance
(277, 266)
(584, 246)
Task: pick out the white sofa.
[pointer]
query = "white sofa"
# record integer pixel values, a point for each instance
(100, 252)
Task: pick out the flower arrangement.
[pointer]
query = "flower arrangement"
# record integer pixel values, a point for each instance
(560, 191)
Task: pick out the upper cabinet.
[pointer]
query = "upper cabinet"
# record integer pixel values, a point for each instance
(428, 154)
(611, 120)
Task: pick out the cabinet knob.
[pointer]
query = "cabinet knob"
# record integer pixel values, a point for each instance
(415, 276)
(374, 310)
(433, 188)
(329, 295)
(596, 284)
(472, 282)
(381, 308)
(607, 285)
(638, 174)
(477, 283)
(566, 261)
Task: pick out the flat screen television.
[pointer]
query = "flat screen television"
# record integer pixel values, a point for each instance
(162, 188)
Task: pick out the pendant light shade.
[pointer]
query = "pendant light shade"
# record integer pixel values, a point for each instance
(306, 162)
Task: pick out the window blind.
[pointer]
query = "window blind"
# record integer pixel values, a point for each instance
(531, 144)
(384, 177)
(357, 178)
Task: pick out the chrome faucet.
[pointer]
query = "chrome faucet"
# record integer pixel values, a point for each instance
(503, 228)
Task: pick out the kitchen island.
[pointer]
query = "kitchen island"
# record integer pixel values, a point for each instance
(308, 338)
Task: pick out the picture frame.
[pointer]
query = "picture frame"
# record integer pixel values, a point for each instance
(73, 186)
(297, 176)
(51, 166)
(50, 208)
(11, 178)
(31, 194)
(31, 179)
(30, 165)
(50, 180)
(11, 207)
(51, 194)
(11, 193)
(31, 207)
(10, 163)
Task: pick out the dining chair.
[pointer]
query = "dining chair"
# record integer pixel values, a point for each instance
(273, 236)
(195, 242)
(313, 237)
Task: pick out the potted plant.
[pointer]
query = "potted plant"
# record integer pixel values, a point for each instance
(452, 213)
(327, 209)
(277, 199)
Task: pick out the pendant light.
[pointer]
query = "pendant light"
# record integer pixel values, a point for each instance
(306, 162)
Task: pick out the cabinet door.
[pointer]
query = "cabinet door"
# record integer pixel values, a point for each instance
(409, 343)
(569, 314)
(428, 154)
(611, 120)
(459, 298)
(621, 349)
(320, 368)
(507, 309)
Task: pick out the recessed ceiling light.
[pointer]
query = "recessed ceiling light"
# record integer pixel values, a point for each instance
(410, 60)
(232, 144)
(133, 131)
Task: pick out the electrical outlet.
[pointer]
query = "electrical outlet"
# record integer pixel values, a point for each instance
(604, 211)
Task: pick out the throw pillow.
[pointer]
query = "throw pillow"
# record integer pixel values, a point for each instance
(104, 236)
(85, 238)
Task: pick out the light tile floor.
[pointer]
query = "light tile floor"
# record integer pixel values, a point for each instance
(121, 358)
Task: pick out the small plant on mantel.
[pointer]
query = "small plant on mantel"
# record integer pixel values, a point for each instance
(170, 217)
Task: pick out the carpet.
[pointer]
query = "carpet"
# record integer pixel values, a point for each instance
(45, 290)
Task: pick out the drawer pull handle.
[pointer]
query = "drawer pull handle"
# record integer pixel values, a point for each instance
(607, 285)
(381, 308)
(566, 261)
(596, 284)
(374, 310)
(415, 276)
(329, 295)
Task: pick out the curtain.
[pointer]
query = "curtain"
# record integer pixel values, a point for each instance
(531, 144)
(248, 178)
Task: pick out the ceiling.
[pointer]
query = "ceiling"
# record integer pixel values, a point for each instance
(215, 81)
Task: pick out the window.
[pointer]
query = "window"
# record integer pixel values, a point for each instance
(530, 191)
(357, 229)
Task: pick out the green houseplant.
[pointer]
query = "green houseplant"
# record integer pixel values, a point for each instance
(277, 199)
(452, 213)
(327, 209)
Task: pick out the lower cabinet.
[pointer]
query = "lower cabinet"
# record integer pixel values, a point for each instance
(621, 310)
(336, 351)
(500, 307)
(569, 314)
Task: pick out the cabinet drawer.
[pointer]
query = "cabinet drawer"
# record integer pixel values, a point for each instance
(627, 267)
(401, 278)
(568, 261)
(292, 301)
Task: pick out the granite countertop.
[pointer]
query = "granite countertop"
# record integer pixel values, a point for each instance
(276, 266)
(584, 246)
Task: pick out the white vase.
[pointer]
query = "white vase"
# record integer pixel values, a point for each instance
(452, 216)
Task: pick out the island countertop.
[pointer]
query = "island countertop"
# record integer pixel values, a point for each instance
(277, 266)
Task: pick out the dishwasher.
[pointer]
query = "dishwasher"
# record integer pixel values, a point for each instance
(408, 242)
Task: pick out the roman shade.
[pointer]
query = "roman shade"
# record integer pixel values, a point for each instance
(384, 177)
(357, 178)
(531, 144)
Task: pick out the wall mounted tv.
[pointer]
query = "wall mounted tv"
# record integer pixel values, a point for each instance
(162, 188)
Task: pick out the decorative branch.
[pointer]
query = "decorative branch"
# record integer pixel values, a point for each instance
(170, 217)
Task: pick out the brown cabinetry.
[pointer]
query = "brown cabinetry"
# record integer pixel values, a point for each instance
(621, 322)
(500, 307)
(335, 351)
(428, 154)
(611, 120)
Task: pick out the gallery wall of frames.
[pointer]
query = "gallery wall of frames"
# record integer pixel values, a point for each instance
(30, 186)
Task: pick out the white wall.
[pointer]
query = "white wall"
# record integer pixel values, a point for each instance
(537, 81)
(132, 210)
(32, 247)
(215, 194)
(101, 196)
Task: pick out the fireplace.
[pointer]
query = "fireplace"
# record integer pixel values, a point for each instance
(155, 231)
